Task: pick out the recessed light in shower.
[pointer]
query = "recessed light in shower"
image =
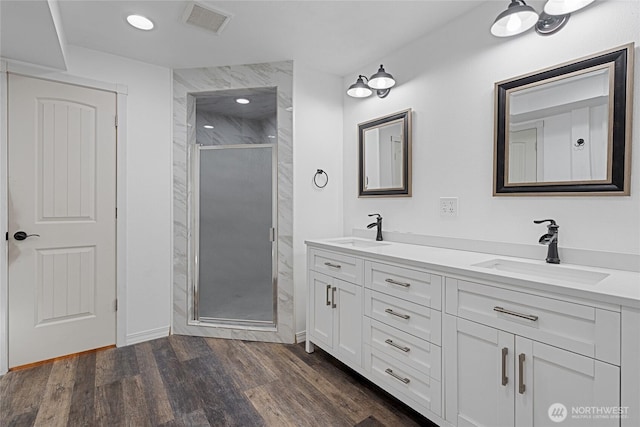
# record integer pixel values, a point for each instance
(207, 127)
(140, 22)
(271, 136)
(242, 101)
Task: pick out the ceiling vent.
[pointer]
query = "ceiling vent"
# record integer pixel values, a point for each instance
(204, 17)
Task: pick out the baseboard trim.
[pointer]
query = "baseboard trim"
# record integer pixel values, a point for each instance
(148, 335)
(301, 337)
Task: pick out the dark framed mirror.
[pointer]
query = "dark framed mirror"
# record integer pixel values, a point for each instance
(384, 146)
(566, 130)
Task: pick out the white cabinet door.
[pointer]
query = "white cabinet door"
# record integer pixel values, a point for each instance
(320, 307)
(479, 374)
(347, 322)
(576, 386)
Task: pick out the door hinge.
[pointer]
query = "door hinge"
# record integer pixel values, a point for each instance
(115, 305)
(6, 236)
(116, 120)
(116, 213)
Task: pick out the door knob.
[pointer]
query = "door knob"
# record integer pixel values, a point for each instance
(21, 235)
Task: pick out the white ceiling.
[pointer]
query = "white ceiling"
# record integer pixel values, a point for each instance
(332, 36)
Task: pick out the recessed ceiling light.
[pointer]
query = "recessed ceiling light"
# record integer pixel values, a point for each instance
(207, 127)
(271, 136)
(140, 22)
(242, 101)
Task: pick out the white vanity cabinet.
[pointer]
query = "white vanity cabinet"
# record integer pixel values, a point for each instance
(334, 309)
(520, 353)
(402, 333)
(469, 348)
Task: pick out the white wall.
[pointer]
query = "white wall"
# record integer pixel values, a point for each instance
(148, 170)
(448, 79)
(317, 144)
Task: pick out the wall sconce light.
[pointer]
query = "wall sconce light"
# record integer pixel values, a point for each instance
(519, 17)
(381, 82)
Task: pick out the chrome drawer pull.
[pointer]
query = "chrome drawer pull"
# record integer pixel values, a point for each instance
(399, 347)
(328, 264)
(328, 290)
(505, 379)
(394, 282)
(531, 317)
(403, 316)
(521, 386)
(396, 376)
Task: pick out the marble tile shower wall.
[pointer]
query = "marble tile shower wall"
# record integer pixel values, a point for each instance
(194, 80)
(230, 130)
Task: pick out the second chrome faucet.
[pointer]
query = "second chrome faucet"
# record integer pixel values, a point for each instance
(378, 224)
(550, 239)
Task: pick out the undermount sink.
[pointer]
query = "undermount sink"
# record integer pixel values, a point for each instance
(549, 271)
(358, 243)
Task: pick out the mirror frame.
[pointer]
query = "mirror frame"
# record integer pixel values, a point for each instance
(405, 191)
(619, 160)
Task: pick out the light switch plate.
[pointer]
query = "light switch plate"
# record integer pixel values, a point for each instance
(448, 206)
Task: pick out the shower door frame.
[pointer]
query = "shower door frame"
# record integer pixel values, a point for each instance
(193, 254)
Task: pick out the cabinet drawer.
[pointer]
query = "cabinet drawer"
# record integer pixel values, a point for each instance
(414, 319)
(583, 329)
(336, 265)
(425, 357)
(398, 378)
(413, 285)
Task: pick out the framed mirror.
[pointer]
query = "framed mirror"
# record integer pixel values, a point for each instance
(566, 130)
(385, 156)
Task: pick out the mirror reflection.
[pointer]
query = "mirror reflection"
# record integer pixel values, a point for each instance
(566, 130)
(385, 155)
(558, 130)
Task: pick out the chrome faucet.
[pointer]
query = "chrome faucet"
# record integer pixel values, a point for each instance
(378, 224)
(550, 239)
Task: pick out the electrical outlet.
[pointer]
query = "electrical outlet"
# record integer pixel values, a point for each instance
(448, 206)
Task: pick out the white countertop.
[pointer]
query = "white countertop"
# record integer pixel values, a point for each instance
(619, 287)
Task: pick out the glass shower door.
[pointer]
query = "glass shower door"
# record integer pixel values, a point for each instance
(235, 235)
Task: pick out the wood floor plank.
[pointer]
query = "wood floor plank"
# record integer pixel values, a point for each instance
(177, 382)
(190, 381)
(15, 398)
(26, 419)
(196, 419)
(82, 400)
(245, 368)
(136, 412)
(187, 348)
(114, 364)
(155, 392)
(271, 409)
(56, 402)
(109, 405)
(222, 401)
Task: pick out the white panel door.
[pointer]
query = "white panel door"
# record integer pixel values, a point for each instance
(552, 376)
(479, 374)
(321, 316)
(62, 189)
(347, 332)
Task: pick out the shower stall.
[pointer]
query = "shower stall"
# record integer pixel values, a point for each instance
(234, 209)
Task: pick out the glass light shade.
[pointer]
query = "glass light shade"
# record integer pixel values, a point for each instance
(381, 79)
(518, 18)
(359, 89)
(140, 22)
(562, 7)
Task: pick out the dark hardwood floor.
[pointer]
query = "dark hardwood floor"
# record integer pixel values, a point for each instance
(191, 381)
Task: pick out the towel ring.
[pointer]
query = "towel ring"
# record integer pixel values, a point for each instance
(320, 172)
